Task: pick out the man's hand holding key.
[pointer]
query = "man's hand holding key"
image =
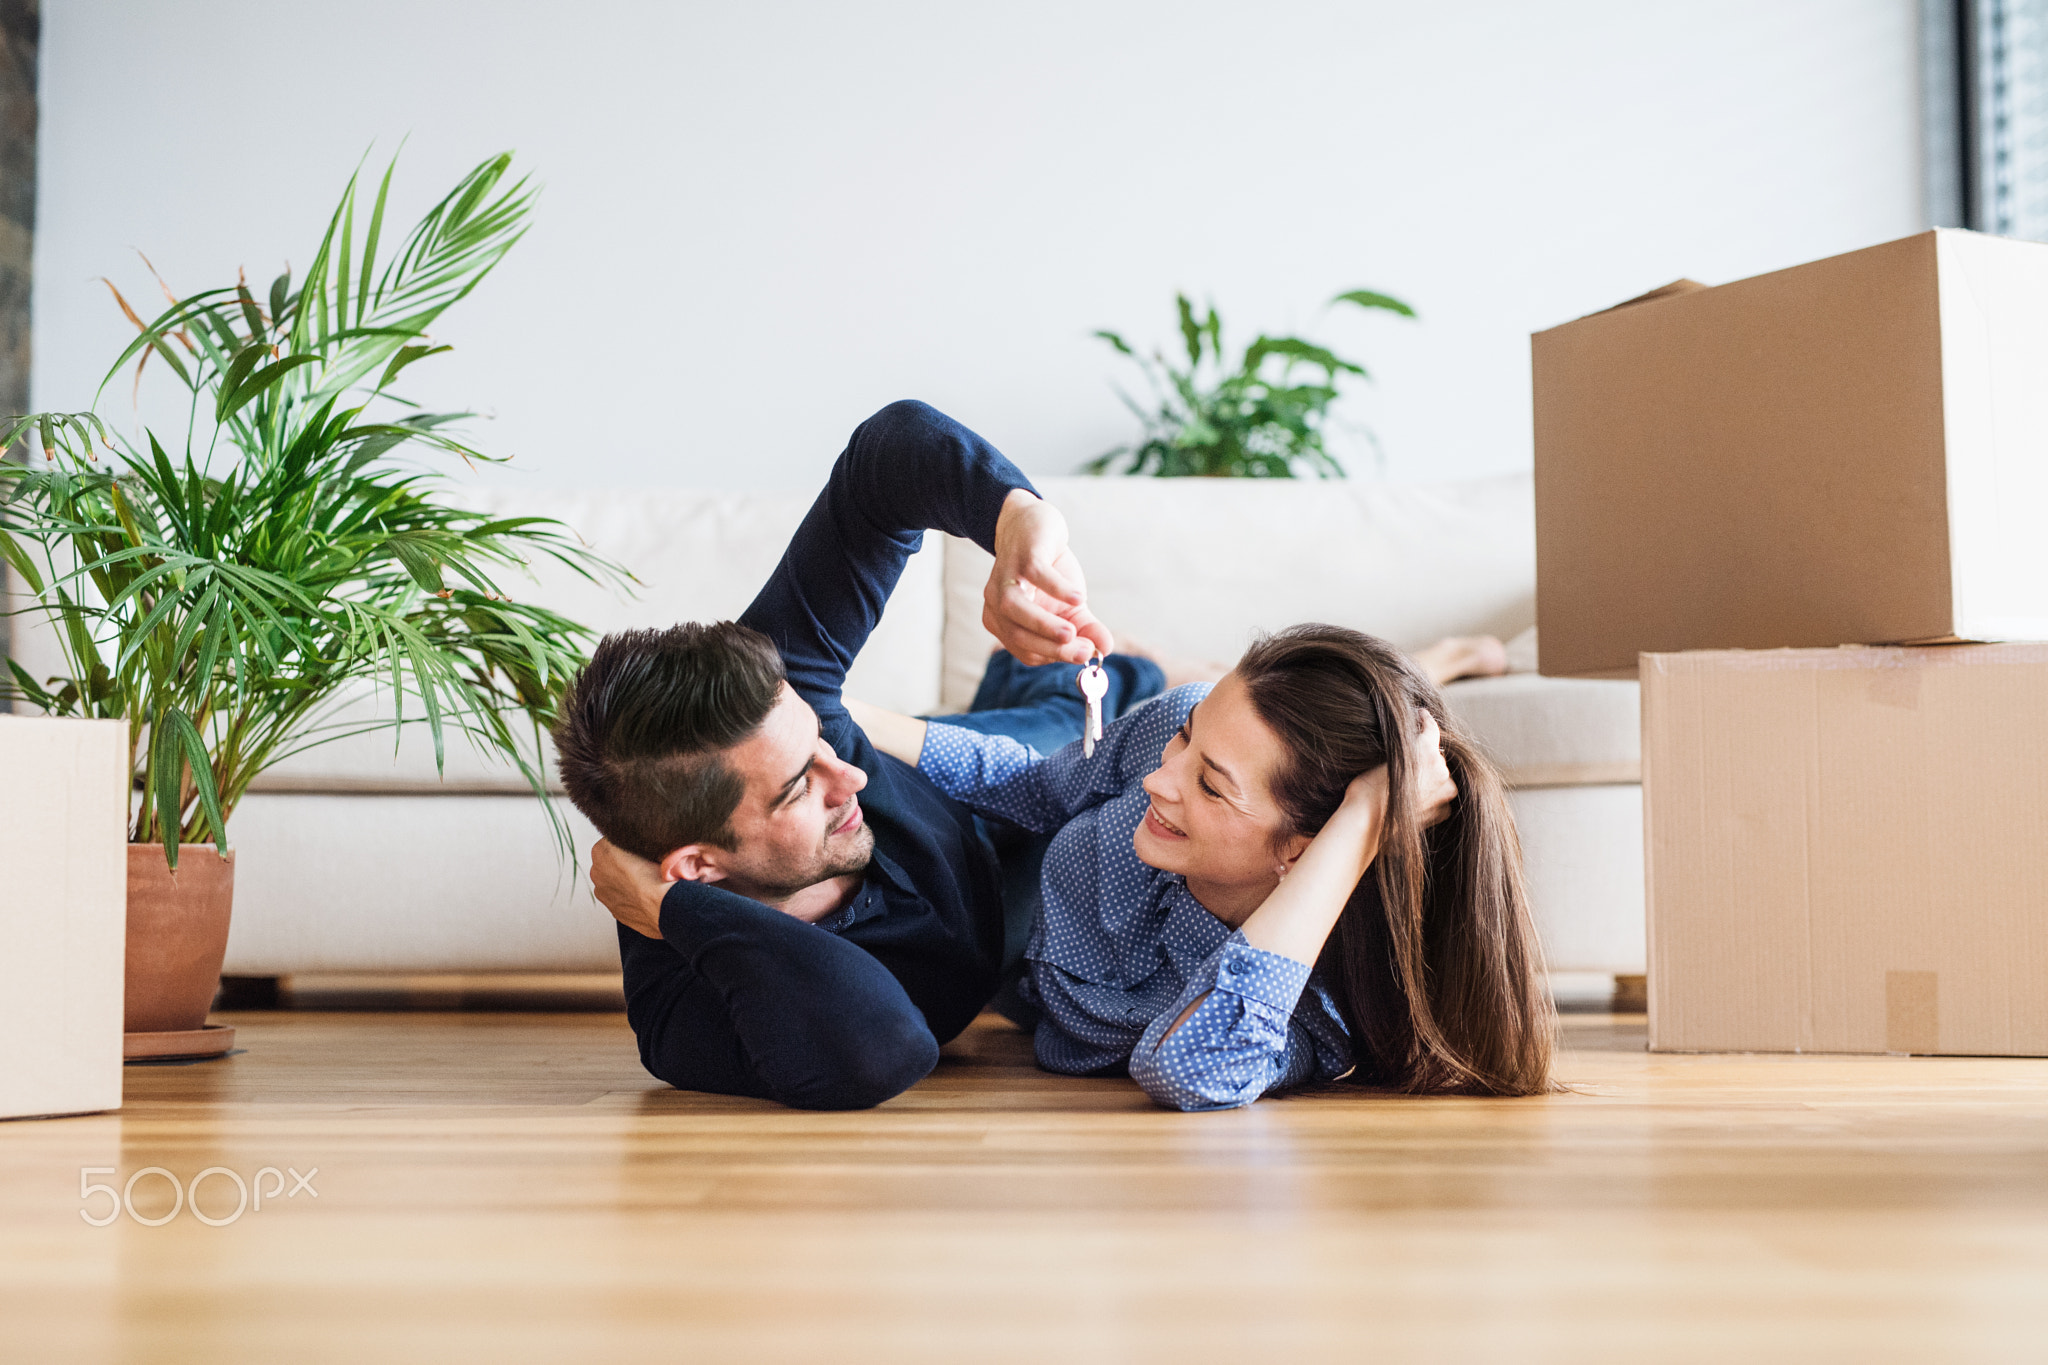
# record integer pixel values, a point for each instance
(1036, 600)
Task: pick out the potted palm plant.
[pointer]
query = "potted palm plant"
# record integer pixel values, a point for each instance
(226, 591)
(1261, 417)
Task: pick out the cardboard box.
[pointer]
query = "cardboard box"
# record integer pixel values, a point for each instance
(63, 913)
(1847, 849)
(1851, 451)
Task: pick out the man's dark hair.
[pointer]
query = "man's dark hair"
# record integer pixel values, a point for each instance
(641, 733)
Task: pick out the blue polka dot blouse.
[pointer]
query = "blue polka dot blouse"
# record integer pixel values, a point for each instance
(1121, 949)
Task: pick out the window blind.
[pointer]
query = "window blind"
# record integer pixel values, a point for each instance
(1985, 108)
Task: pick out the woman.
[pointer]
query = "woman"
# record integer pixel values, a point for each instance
(1304, 874)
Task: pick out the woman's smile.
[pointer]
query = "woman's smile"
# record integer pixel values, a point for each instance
(1160, 826)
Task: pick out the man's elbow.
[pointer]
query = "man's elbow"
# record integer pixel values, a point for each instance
(872, 1069)
(905, 418)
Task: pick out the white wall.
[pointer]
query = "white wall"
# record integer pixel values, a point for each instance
(762, 221)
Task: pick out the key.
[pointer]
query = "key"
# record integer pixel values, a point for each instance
(1094, 685)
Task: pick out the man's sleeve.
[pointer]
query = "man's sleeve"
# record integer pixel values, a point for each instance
(740, 999)
(907, 469)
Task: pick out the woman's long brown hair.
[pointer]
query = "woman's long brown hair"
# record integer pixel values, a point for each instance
(1434, 961)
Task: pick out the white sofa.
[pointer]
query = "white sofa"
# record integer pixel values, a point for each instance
(353, 858)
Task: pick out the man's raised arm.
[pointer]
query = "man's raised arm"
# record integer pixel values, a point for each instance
(907, 469)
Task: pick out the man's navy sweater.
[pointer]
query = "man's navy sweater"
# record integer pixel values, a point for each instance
(742, 999)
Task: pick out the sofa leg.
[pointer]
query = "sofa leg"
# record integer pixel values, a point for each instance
(1631, 994)
(249, 993)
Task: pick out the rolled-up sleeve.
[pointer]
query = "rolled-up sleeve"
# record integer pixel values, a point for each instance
(1242, 1041)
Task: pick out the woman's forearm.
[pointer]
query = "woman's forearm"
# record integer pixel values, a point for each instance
(895, 734)
(1296, 919)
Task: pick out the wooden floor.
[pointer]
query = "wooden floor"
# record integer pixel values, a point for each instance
(513, 1187)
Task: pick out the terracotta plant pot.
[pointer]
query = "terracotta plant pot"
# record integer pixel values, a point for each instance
(177, 935)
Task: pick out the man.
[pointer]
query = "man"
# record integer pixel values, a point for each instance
(802, 918)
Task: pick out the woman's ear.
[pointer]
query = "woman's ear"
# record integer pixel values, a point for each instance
(1290, 853)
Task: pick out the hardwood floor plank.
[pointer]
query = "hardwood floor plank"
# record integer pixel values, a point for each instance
(513, 1186)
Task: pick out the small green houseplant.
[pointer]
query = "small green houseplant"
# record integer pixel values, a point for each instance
(1260, 417)
(227, 589)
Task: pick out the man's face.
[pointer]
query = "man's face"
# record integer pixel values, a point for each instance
(799, 822)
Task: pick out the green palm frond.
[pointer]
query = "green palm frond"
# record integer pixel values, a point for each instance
(225, 601)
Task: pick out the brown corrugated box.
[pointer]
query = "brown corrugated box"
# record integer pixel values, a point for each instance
(1847, 849)
(1850, 450)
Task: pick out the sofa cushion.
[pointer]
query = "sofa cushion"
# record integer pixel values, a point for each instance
(699, 557)
(1554, 732)
(1195, 566)
(1582, 850)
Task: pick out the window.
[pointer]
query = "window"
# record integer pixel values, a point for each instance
(1985, 77)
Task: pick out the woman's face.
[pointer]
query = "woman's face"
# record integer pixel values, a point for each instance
(1213, 818)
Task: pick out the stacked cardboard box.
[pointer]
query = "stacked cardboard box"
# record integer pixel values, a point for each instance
(1784, 502)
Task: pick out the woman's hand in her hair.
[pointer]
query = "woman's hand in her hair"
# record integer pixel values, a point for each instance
(1361, 817)
(1036, 600)
(1432, 786)
(1296, 918)
(1367, 794)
